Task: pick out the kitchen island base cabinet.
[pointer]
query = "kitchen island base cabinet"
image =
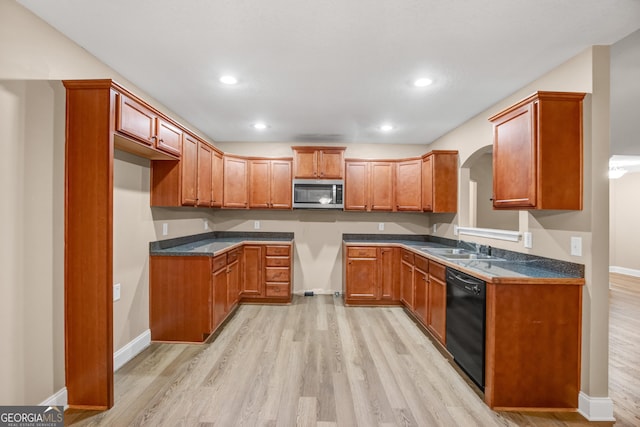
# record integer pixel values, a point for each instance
(533, 340)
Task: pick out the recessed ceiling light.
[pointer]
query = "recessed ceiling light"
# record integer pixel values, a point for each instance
(260, 126)
(386, 128)
(228, 80)
(422, 82)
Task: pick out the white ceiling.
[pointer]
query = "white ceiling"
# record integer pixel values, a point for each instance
(335, 70)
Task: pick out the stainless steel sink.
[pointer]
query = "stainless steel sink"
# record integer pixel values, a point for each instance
(472, 255)
(446, 251)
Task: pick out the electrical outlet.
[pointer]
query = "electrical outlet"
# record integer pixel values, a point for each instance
(165, 228)
(381, 226)
(455, 230)
(206, 224)
(116, 292)
(576, 246)
(256, 225)
(528, 240)
(435, 228)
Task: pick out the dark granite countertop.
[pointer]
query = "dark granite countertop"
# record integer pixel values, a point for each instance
(214, 243)
(504, 267)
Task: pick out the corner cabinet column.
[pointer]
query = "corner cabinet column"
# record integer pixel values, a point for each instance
(89, 243)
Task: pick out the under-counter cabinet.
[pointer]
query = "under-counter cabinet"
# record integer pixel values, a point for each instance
(267, 273)
(369, 185)
(440, 181)
(406, 278)
(312, 162)
(421, 288)
(370, 275)
(436, 319)
(537, 153)
(270, 183)
(180, 296)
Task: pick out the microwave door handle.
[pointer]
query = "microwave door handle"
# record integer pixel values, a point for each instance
(335, 195)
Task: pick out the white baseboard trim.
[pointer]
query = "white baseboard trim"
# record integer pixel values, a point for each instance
(595, 408)
(624, 270)
(58, 399)
(131, 349)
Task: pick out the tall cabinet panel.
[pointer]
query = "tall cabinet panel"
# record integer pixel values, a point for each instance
(189, 170)
(204, 175)
(235, 182)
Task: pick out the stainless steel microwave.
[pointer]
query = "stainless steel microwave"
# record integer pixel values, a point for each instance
(318, 194)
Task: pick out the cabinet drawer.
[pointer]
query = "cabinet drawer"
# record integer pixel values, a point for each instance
(278, 250)
(408, 256)
(278, 261)
(277, 274)
(233, 256)
(219, 262)
(422, 263)
(437, 270)
(362, 252)
(277, 289)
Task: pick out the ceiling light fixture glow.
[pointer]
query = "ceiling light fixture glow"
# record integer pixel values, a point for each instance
(259, 126)
(422, 82)
(386, 128)
(228, 80)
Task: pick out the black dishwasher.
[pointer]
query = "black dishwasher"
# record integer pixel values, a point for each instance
(466, 323)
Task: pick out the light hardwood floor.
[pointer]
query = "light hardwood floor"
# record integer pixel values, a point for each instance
(318, 363)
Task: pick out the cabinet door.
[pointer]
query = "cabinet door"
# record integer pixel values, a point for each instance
(216, 179)
(252, 280)
(189, 170)
(305, 163)
(280, 184)
(514, 159)
(331, 164)
(420, 289)
(389, 286)
(437, 312)
(233, 283)
(235, 182)
(136, 121)
(169, 138)
(362, 278)
(408, 185)
(356, 186)
(406, 284)
(219, 296)
(381, 186)
(427, 184)
(204, 175)
(259, 184)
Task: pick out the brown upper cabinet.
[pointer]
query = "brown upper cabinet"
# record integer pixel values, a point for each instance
(318, 162)
(440, 181)
(217, 178)
(369, 185)
(270, 183)
(235, 182)
(137, 121)
(537, 153)
(204, 175)
(408, 185)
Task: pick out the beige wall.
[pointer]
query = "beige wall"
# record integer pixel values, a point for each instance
(625, 233)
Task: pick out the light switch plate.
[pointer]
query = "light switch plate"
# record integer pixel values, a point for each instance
(116, 292)
(206, 224)
(455, 230)
(528, 240)
(435, 228)
(165, 228)
(576, 246)
(381, 226)
(256, 225)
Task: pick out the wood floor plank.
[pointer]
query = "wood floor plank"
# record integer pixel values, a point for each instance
(317, 362)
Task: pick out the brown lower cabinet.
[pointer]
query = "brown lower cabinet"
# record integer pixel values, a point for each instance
(436, 319)
(406, 278)
(370, 274)
(267, 273)
(190, 296)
